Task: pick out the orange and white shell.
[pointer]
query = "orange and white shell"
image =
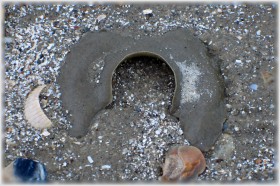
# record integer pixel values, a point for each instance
(183, 163)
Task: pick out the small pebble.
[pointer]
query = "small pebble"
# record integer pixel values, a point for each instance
(224, 147)
(228, 106)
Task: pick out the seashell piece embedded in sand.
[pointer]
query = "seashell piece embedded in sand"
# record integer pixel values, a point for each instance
(33, 112)
(183, 163)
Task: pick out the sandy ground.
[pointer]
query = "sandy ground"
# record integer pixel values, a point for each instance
(128, 140)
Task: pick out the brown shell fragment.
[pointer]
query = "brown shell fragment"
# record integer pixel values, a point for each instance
(183, 163)
(33, 112)
(267, 77)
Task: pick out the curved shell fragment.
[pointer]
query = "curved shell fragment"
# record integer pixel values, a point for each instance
(33, 112)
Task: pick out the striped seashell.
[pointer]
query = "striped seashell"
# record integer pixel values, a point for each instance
(33, 112)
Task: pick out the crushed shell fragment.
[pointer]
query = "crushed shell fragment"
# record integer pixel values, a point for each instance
(33, 112)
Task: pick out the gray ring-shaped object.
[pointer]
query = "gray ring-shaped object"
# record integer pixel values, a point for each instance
(86, 80)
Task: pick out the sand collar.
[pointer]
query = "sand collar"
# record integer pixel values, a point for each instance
(198, 102)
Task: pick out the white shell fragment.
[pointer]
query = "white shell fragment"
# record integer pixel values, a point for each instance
(253, 87)
(77, 143)
(105, 167)
(33, 112)
(90, 160)
(8, 40)
(45, 133)
(147, 11)
(100, 17)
